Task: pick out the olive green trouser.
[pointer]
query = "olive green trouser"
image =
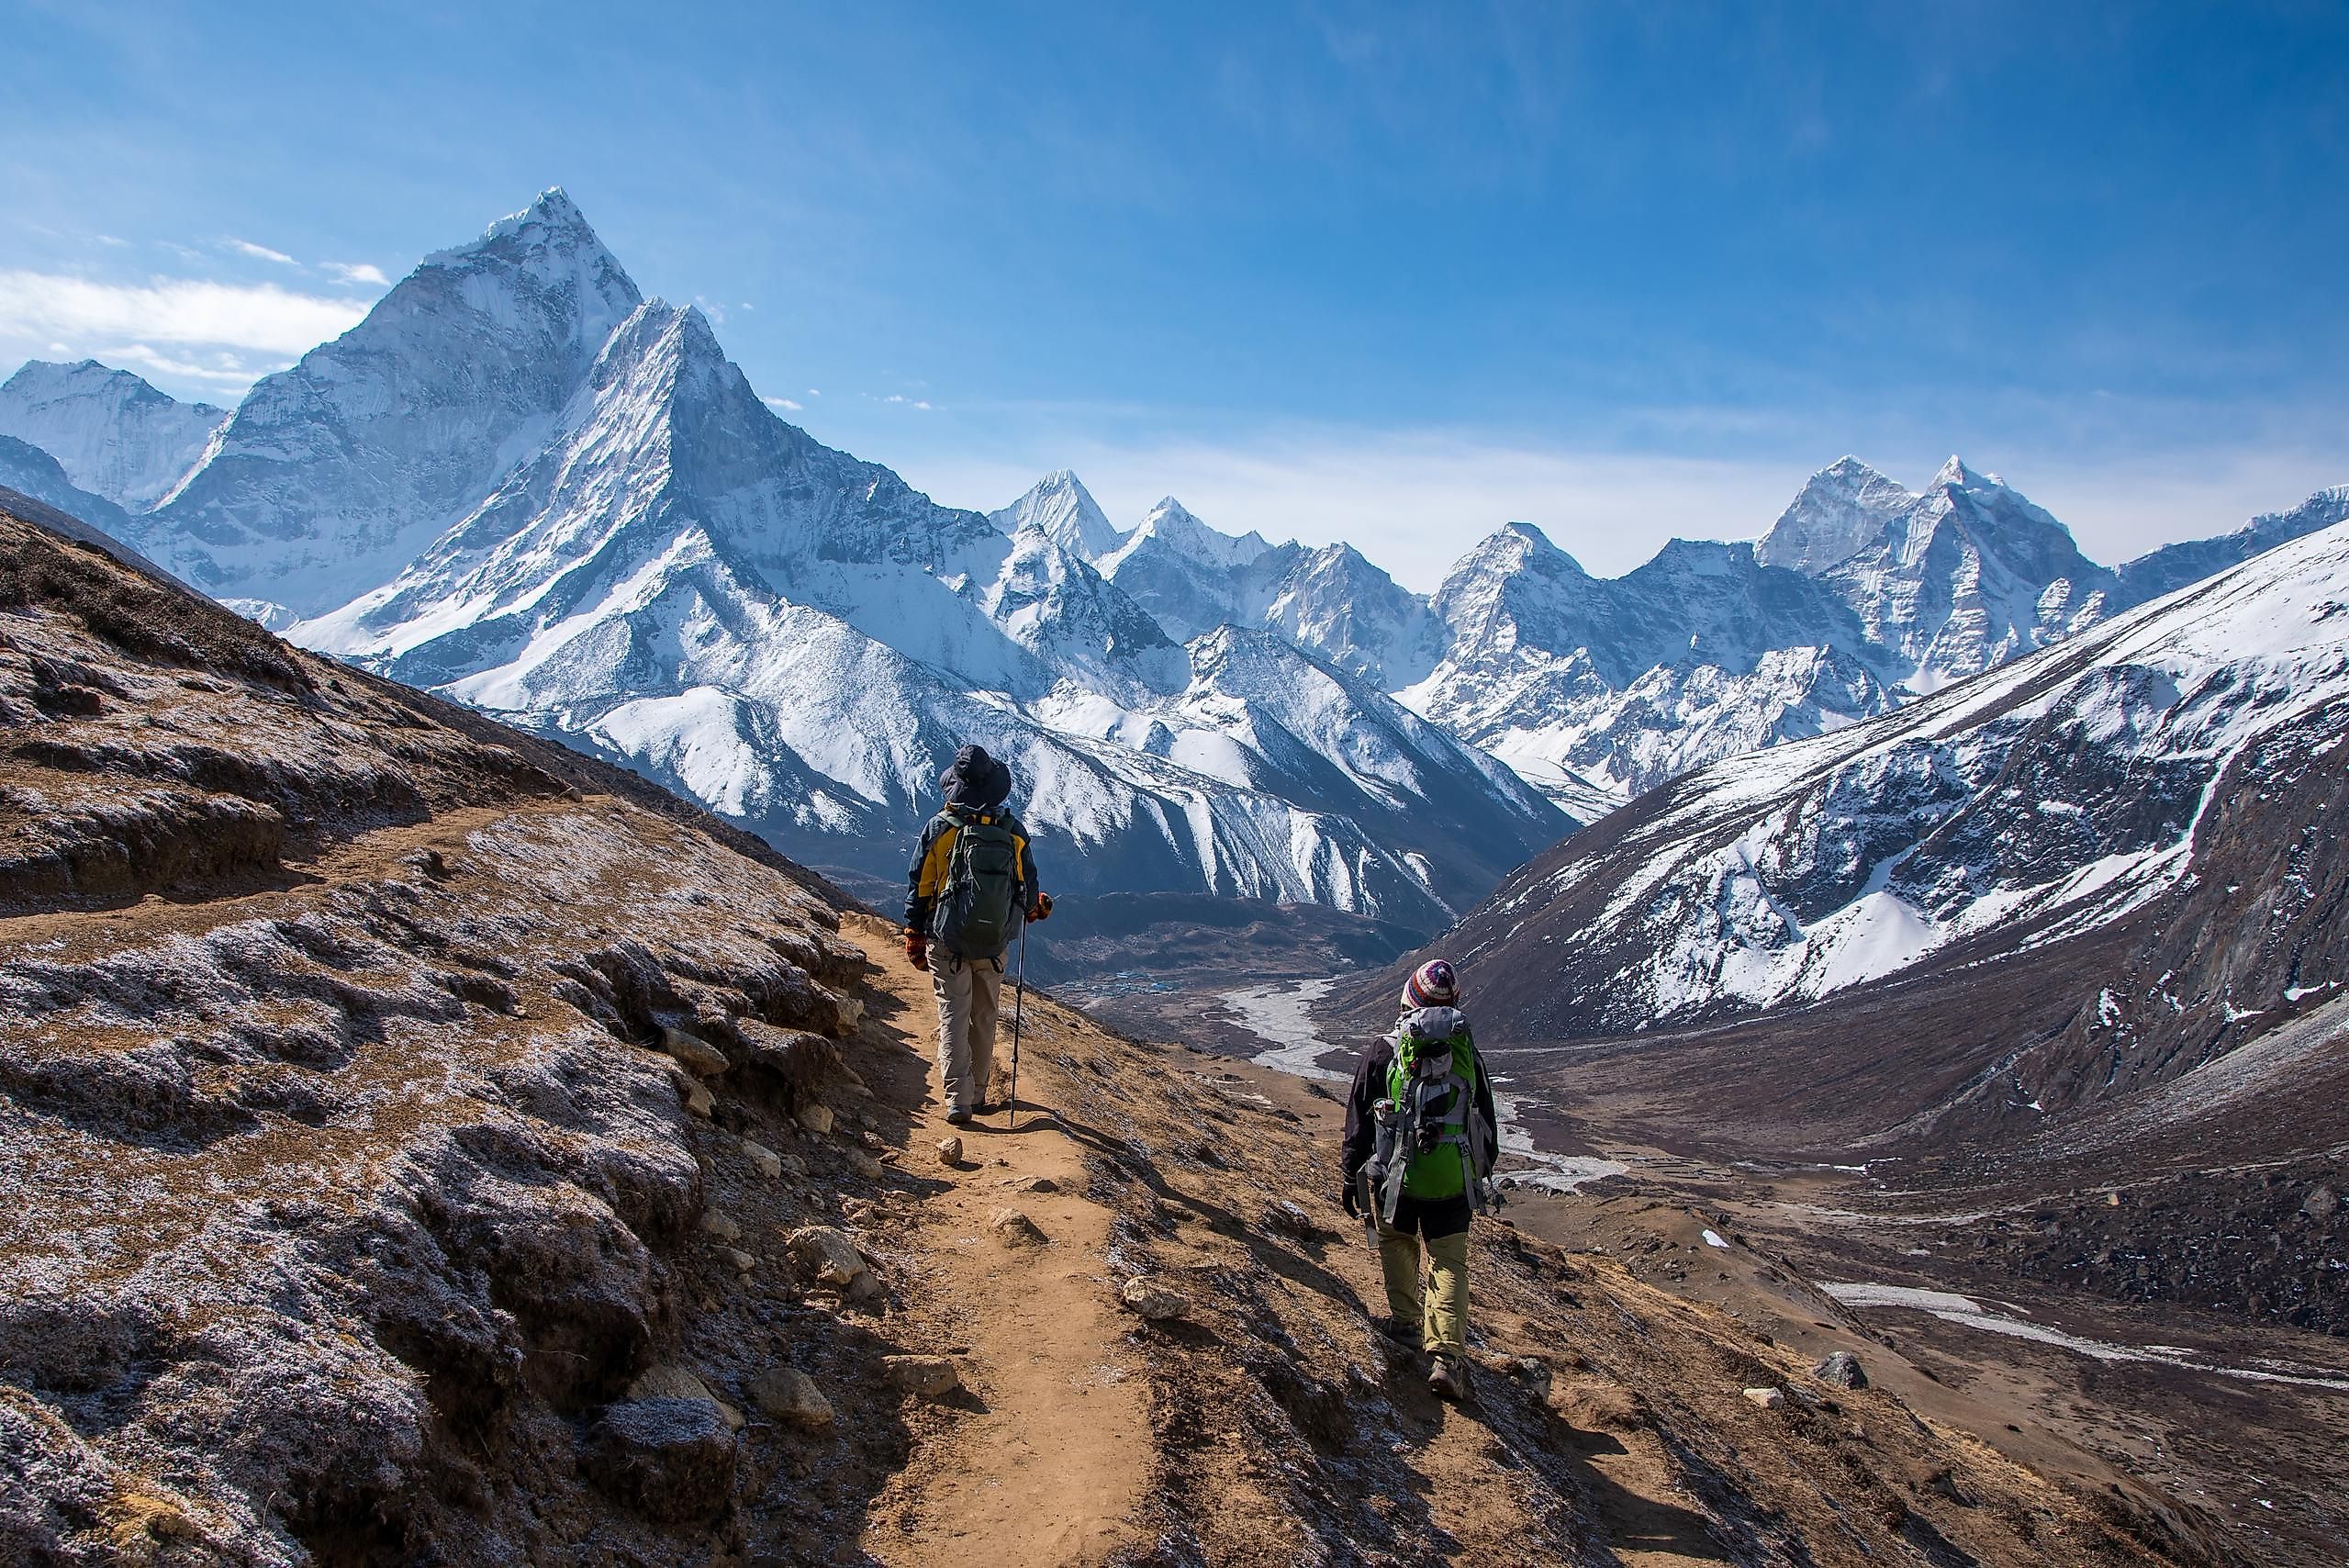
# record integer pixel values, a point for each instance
(1441, 1310)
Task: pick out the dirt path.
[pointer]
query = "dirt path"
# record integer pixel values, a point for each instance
(1051, 1459)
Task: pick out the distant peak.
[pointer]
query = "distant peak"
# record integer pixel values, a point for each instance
(552, 219)
(1513, 545)
(1954, 472)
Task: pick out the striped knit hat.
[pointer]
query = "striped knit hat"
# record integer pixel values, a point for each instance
(1432, 984)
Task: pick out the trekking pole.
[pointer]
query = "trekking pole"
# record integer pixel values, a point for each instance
(1019, 997)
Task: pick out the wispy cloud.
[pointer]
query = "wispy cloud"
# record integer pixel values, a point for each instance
(909, 402)
(263, 317)
(786, 404)
(358, 272)
(226, 371)
(259, 253)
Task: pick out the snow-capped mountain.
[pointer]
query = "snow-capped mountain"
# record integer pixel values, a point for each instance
(520, 483)
(1061, 507)
(2174, 566)
(1334, 602)
(1190, 578)
(2049, 800)
(1967, 576)
(113, 434)
(1597, 689)
(1839, 512)
(332, 476)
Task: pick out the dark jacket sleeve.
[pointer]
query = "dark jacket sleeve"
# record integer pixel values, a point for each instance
(1361, 1114)
(1484, 1105)
(1031, 884)
(917, 903)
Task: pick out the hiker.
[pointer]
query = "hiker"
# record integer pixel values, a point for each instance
(972, 881)
(1420, 1141)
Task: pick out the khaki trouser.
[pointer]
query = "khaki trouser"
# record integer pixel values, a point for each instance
(966, 990)
(1441, 1311)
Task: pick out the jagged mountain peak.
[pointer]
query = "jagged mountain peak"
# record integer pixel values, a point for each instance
(1513, 547)
(1178, 525)
(113, 435)
(1065, 511)
(1839, 511)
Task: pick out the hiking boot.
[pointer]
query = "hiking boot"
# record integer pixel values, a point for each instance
(1447, 1379)
(959, 1118)
(1400, 1335)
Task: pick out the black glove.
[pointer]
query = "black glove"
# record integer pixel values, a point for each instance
(1351, 1197)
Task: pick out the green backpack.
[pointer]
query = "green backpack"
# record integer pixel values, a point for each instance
(1431, 1144)
(975, 908)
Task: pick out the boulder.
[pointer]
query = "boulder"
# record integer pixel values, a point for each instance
(763, 1159)
(696, 1096)
(922, 1377)
(671, 1460)
(1015, 1229)
(1034, 1184)
(816, 1116)
(739, 1260)
(791, 1396)
(828, 1254)
(718, 1224)
(1767, 1398)
(1843, 1370)
(693, 1053)
(668, 1380)
(950, 1151)
(1146, 1295)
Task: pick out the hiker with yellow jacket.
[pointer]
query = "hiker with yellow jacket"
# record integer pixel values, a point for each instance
(973, 883)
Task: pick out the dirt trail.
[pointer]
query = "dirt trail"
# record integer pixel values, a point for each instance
(1053, 1459)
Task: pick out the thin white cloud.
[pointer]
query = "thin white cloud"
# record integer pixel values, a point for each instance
(358, 272)
(783, 403)
(263, 317)
(259, 252)
(224, 370)
(813, 393)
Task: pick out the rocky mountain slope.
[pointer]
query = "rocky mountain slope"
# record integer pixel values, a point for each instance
(113, 434)
(422, 1143)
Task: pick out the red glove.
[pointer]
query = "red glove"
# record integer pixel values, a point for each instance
(1042, 908)
(917, 948)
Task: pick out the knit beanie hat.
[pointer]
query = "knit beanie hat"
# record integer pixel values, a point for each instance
(1432, 984)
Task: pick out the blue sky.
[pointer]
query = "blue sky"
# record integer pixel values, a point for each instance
(1394, 275)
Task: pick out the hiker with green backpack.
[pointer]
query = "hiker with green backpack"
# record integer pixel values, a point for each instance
(972, 885)
(1421, 1135)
